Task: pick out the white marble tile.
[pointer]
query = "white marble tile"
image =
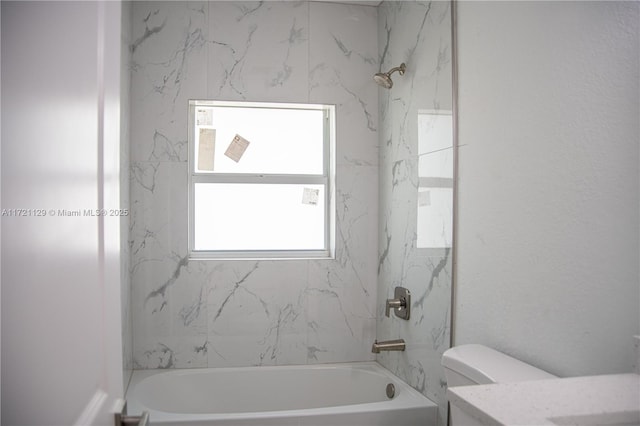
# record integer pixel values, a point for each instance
(435, 217)
(257, 314)
(170, 309)
(354, 300)
(169, 54)
(343, 60)
(158, 211)
(335, 333)
(356, 245)
(170, 324)
(189, 300)
(238, 313)
(258, 51)
(342, 292)
(418, 34)
(171, 352)
(158, 310)
(164, 302)
(428, 329)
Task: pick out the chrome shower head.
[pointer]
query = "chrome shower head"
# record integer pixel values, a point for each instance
(383, 79)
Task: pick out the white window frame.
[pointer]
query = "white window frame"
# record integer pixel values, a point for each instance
(327, 179)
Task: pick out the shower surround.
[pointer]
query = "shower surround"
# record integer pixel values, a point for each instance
(242, 313)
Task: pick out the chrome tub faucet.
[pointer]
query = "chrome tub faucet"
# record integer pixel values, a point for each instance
(389, 345)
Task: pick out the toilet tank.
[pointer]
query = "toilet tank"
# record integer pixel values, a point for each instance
(479, 365)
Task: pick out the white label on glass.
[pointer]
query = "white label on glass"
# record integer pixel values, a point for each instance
(206, 149)
(310, 196)
(204, 116)
(237, 148)
(424, 198)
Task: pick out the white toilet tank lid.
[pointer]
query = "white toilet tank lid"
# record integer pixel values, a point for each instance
(484, 365)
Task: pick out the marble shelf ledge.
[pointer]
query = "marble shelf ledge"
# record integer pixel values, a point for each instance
(591, 400)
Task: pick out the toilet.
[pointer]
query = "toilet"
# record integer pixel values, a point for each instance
(480, 365)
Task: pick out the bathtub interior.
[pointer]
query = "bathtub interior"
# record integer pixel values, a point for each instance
(226, 391)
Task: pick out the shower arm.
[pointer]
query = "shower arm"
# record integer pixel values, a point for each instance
(401, 69)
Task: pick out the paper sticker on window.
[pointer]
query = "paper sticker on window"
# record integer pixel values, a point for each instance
(204, 116)
(237, 148)
(206, 149)
(310, 196)
(424, 198)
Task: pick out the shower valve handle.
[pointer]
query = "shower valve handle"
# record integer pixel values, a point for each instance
(395, 304)
(401, 303)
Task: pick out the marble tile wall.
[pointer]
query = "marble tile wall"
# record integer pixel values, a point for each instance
(241, 313)
(419, 34)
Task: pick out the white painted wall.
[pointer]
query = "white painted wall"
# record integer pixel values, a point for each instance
(548, 205)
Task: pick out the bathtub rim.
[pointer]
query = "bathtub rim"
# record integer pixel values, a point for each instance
(408, 397)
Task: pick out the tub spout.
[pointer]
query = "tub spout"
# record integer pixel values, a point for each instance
(389, 345)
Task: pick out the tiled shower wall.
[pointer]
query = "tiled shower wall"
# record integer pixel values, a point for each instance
(239, 313)
(419, 34)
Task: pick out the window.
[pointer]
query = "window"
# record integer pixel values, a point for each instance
(261, 180)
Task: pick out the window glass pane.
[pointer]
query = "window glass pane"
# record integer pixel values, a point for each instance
(280, 140)
(259, 217)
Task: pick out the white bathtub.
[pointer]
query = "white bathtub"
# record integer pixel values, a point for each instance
(328, 394)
